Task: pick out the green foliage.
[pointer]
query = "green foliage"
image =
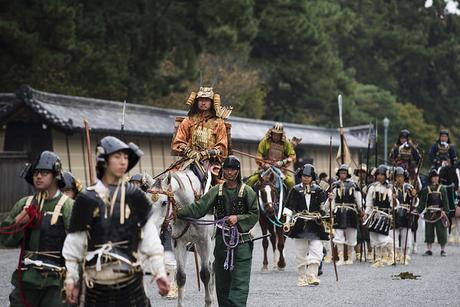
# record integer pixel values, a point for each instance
(37, 50)
(370, 103)
(409, 50)
(294, 47)
(279, 60)
(239, 85)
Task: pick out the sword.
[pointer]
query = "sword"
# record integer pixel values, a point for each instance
(255, 239)
(40, 263)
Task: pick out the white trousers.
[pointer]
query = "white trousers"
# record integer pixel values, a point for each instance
(456, 228)
(308, 252)
(170, 259)
(379, 240)
(346, 236)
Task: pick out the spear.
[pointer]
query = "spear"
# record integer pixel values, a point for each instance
(411, 217)
(330, 210)
(123, 117)
(262, 160)
(342, 143)
(395, 195)
(92, 179)
(375, 142)
(368, 152)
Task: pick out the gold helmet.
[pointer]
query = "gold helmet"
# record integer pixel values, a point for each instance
(277, 128)
(204, 92)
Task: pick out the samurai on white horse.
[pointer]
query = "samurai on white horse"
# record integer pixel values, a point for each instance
(182, 188)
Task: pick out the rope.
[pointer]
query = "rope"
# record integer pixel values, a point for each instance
(34, 214)
(347, 207)
(437, 219)
(279, 178)
(230, 236)
(276, 222)
(304, 215)
(195, 193)
(34, 221)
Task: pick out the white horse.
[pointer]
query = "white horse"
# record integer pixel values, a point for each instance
(186, 188)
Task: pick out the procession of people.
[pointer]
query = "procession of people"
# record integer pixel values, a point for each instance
(93, 246)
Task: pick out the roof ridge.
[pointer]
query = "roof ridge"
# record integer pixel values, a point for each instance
(53, 98)
(67, 112)
(130, 105)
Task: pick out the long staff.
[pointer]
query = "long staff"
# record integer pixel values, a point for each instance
(330, 210)
(92, 178)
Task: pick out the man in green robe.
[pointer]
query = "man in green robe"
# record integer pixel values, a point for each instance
(433, 199)
(277, 149)
(38, 224)
(237, 203)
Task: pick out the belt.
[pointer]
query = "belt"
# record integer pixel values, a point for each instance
(105, 251)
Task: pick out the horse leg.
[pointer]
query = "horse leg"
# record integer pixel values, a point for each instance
(180, 252)
(281, 240)
(263, 227)
(203, 249)
(273, 240)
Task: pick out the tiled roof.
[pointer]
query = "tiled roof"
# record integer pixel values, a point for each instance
(104, 116)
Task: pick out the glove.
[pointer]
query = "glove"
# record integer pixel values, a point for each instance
(279, 163)
(192, 154)
(202, 155)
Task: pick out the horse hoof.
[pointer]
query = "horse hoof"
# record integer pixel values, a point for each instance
(264, 270)
(280, 269)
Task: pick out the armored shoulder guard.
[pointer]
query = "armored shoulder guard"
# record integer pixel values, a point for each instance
(83, 210)
(316, 188)
(299, 187)
(138, 203)
(353, 184)
(335, 184)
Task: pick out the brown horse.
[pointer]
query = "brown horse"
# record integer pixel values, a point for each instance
(270, 220)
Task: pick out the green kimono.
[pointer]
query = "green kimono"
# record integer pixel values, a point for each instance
(232, 287)
(263, 151)
(40, 288)
(430, 228)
